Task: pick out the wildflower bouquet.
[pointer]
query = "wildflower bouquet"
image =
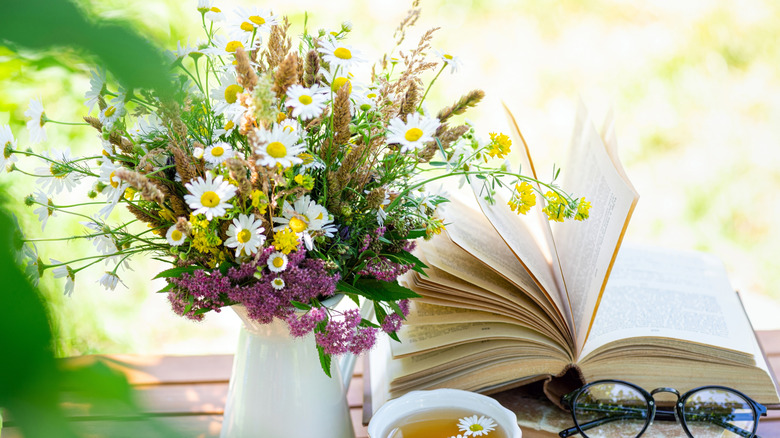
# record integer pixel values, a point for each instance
(275, 176)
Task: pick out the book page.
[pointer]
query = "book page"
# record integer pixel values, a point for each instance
(586, 249)
(672, 295)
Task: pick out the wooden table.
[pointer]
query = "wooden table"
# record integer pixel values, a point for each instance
(188, 393)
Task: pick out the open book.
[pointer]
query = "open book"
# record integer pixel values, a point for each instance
(513, 299)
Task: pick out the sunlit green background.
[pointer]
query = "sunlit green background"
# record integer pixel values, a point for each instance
(695, 86)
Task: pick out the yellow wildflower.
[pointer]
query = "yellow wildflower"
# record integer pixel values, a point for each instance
(167, 214)
(556, 207)
(198, 221)
(583, 210)
(524, 199)
(285, 240)
(205, 242)
(259, 201)
(499, 145)
(129, 193)
(434, 226)
(306, 181)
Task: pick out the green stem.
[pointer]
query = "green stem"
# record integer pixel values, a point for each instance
(431, 85)
(48, 120)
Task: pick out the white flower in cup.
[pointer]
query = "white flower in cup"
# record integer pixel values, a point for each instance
(473, 426)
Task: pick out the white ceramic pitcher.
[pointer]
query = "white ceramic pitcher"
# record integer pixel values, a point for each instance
(278, 388)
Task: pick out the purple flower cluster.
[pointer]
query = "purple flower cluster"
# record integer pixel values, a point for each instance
(370, 239)
(393, 321)
(384, 269)
(303, 325)
(345, 335)
(304, 279)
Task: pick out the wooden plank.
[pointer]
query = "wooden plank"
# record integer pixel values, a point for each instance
(357, 422)
(770, 342)
(156, 370)
(191, 426)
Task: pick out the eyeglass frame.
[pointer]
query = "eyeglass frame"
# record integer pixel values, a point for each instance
(567, 400)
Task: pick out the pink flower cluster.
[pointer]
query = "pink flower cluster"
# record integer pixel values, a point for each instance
(384, 269)
(393, 321)
(304, 279)
(345, 335)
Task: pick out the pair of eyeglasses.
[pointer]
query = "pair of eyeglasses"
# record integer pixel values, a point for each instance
(614, 408)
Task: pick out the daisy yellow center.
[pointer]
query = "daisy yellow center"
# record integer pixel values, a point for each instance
(278, 282)
(110, 111)
(476, 427)
(276, 149)
(247, 27)
(244, 236)
(113, 183)
(305, 99)
(448, 56)
(217, 151)
(215, 9)
(278, 262)
(229, 125)
(233, 45)
(176, 235)
(209, 199)
(371, 95)
(342, 53)
(298, 225)
(231, 92)
(413, 134)
(339, 82)
(258, 20)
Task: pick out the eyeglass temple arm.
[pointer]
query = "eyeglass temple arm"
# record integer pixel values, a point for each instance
(728, 426)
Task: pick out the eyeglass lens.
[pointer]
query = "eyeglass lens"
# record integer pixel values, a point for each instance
(611, 410)
(715, 412)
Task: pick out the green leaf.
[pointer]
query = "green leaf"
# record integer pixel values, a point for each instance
(394, 336)
(176, 272)
(223, 268)
(378, 290)
(409, 258)
(325, 360)
(437, 163)
(396, 308)
(201, 311)
(189, 304)
(167, 288)
(300, 305)
(347, 288)
(418, 232)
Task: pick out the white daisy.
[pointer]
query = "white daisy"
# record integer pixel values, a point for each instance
(412, 134)
(113, 187)
(209, 197)
(256, 18)
(452, 61)
(311, 161)
(245, 234)
(56, 175)
(174, 236)
(340, 55)
(204, 6)
(307, 103)
(340, 79)
(224, 46)
(277, 283)
(473, 426)
(7, 146)
(307, 219)
(278, 148)
(147, 126)
(110, 280)
(291, 125)
(217, 153)
(97, 82)
(213, 13)
(36, 122)
(366, 100)
(225, 130)
(277, 261)
(44, 210)
(226, 95)
(113, 111)
(66, 272)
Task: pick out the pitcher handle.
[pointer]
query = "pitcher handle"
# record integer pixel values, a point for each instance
(348, 360)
